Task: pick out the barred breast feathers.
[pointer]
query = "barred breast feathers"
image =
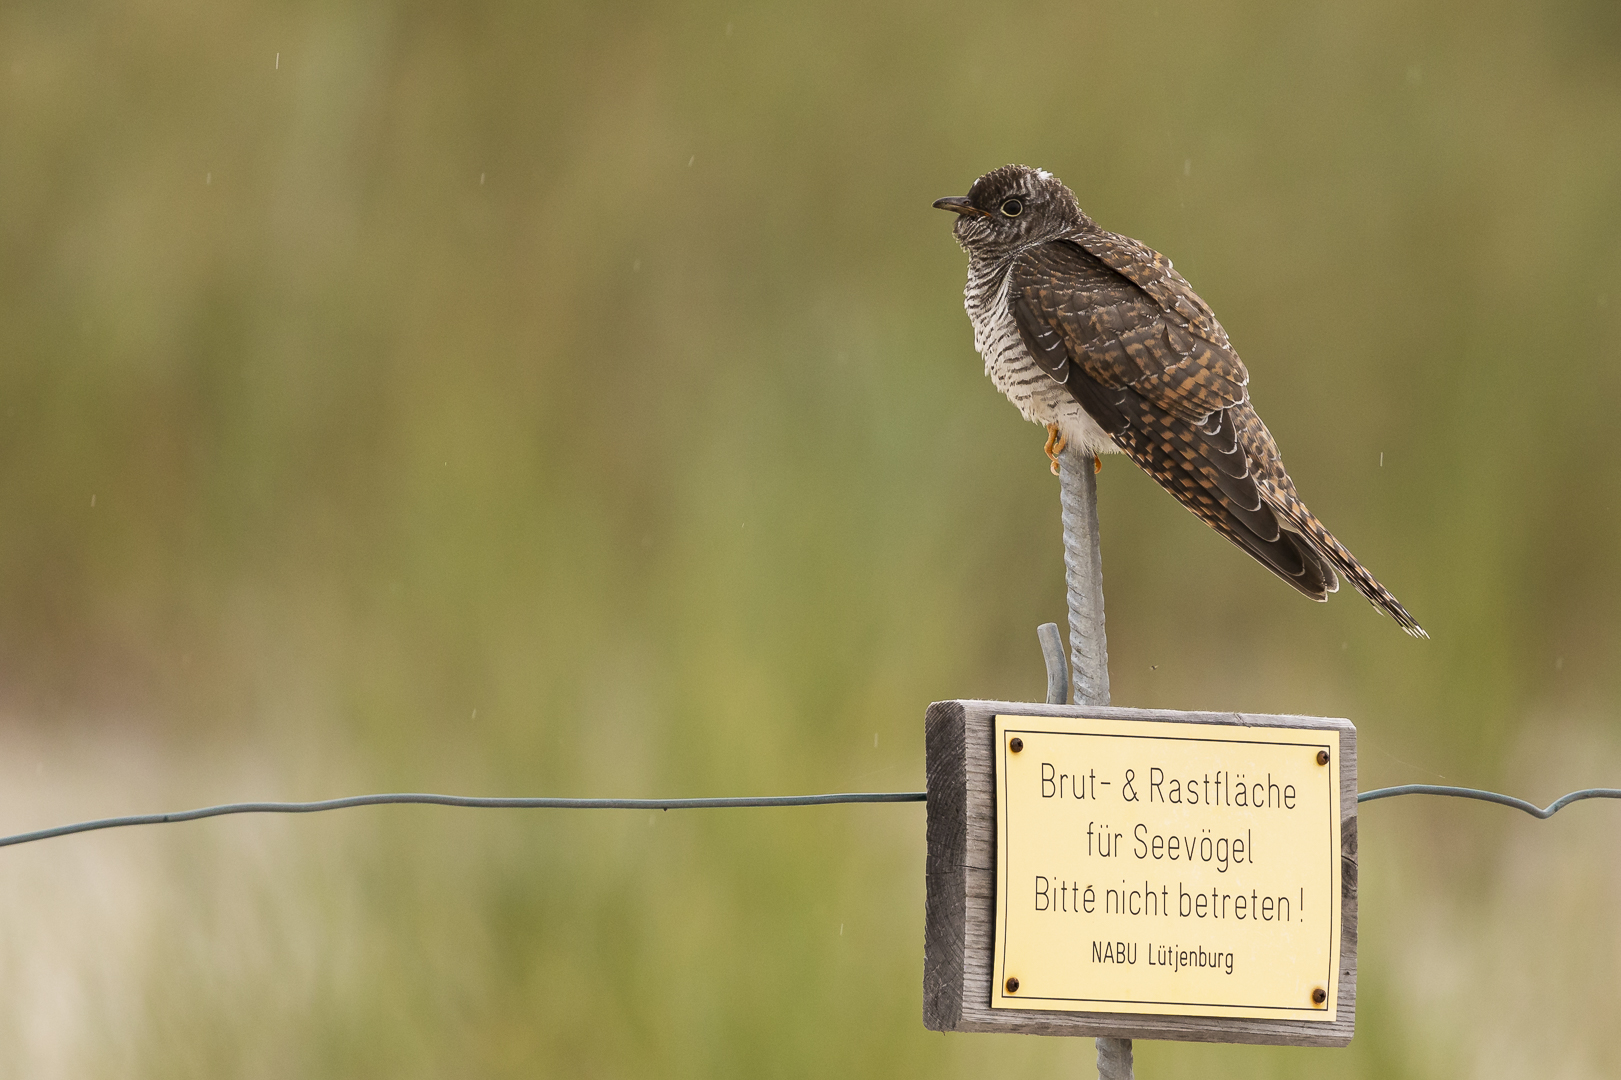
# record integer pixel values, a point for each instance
(1032, 391)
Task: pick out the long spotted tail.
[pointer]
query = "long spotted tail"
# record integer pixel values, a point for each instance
(1295, 516)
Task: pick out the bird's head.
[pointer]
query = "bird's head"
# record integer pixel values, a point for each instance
(1011, 208)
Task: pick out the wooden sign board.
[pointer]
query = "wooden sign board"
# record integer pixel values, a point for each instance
(1137, 873)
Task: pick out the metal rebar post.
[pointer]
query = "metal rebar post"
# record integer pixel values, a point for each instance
(1052, 651)
(1088, 641)
(1083, 574)
(1114, 1059)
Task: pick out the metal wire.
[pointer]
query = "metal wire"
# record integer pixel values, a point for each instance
(1492, 796)
(465, 800)
(692, 804)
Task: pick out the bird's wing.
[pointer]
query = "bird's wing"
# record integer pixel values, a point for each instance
(1147, 360)
(1172, 397)
(1155, 276)
(1131, 320)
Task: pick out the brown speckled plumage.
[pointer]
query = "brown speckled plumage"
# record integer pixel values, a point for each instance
(1097, 333)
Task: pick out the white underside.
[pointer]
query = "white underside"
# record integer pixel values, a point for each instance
(1039, 398)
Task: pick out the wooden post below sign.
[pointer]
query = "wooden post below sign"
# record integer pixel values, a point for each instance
(1140, 874)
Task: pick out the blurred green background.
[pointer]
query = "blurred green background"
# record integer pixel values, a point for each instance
(517, 398)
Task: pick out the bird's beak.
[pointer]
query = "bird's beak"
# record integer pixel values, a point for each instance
(959, 204)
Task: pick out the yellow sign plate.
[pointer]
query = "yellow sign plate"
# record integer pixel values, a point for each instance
(1150, 867)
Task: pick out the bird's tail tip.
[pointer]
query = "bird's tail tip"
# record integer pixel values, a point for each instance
(1296, 515)
(1383, 601)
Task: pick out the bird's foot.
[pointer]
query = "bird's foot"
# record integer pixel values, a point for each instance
(1097, 464)
(1055, 445)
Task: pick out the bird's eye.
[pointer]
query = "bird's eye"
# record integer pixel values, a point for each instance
(1012, 208)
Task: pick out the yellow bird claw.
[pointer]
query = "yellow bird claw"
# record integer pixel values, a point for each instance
(1055, 445)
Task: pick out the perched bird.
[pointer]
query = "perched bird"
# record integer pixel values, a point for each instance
(1094, 335)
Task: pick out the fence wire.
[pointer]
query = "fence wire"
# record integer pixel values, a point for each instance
(1542, 813)
(725, 802)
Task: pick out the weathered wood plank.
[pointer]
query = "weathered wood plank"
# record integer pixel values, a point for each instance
(945, 892)
(960, 875)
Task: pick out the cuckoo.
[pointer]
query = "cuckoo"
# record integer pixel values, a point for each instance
(1095, 335)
